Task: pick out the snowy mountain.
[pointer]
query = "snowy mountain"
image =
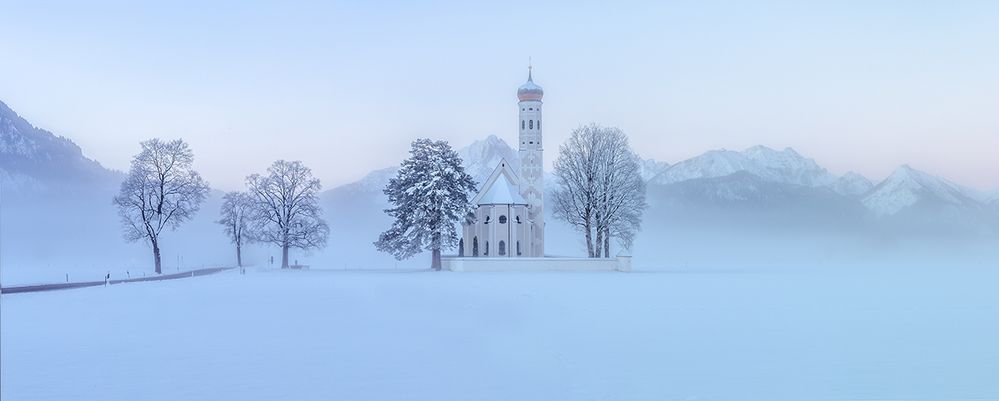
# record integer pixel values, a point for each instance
(852, 184)
(481, 157)
(908, 188)
(785, 166)
(650, 168)
(34, 159)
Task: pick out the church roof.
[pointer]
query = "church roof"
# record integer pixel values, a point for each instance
(502, 192)
(502, 187)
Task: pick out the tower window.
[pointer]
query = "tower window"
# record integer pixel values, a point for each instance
(502, 248)
(521, 124)
(502, 219)
(531, 124)
(531, 109)
(539, 124)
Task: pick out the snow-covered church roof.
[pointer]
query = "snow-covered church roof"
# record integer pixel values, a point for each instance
(502, 192)
(501, 187)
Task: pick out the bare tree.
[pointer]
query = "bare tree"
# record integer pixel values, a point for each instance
(286, 208)
(576, 174)
(237, 208)
(162, 191)
(600, 190)
(621, 191)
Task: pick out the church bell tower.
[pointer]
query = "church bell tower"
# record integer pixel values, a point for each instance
(531, 160)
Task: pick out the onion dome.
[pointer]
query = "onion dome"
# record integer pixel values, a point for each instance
(530, 90)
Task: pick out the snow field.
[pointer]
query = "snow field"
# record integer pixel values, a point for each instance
(416, 335)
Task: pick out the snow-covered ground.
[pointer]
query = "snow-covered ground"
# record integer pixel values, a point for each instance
(414, 335)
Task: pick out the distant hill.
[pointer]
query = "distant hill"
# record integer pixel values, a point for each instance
(32, 158)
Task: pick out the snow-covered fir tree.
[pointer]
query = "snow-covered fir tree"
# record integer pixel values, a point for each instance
(430, 195)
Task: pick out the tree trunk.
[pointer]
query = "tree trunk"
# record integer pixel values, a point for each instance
(156, 257)
(607, 243)
(435, 262)
(600, 241)
(284, 257)
(589, 241)
(239, 256)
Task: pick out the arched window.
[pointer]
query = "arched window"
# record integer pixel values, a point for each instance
(475, 246)
(521, 124)
(487, 220)
(502, 248)
(518, 248)
(517, 219)
(502, 219)
(461, 247)
(539, 124)
(531, 124)
(486, 253)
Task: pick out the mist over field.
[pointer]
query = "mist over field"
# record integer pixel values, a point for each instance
(758, 208)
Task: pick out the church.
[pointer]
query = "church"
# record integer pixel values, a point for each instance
(509, 219)
(506, 232)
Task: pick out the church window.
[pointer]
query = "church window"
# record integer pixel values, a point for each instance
(521, 124)
(530, 124)
(486, 253)
(475, 246)
(487, 220)
(461, 247)
(502, 248)
(539, 124)
(531, 109)
(517, 219)
(502, 219)
(518, 248)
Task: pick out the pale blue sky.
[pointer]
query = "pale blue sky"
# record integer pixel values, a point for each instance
(857, 85)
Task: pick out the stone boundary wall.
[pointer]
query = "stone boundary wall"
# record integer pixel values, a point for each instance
(484, 264)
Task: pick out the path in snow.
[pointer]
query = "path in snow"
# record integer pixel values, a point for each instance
(66, 286)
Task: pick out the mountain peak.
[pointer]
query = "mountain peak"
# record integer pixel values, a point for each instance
(481, 157)
(785, 166)
(907, 186)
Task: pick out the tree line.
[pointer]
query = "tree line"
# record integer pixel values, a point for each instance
(162, 191)
(599, 192)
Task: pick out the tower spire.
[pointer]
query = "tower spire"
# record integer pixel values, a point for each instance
(530, 66)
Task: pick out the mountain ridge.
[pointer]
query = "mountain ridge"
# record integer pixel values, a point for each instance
(34, 158)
